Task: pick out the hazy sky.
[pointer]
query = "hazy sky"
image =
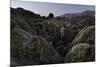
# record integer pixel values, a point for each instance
(45, 8)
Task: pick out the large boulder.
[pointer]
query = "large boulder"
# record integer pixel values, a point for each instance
(19, 39)
(86, 35)
(25, 46)
(23, 23)
(42, 51)
(82, 52)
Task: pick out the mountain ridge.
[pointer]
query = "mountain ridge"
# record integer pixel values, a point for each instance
(73, 15)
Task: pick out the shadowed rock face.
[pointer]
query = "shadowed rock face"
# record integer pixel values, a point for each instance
(42, 40)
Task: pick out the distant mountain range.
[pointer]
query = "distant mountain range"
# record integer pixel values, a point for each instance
(73, 15)
(29, 14)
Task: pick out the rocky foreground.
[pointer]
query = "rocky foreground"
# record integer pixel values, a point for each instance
(39, 40)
